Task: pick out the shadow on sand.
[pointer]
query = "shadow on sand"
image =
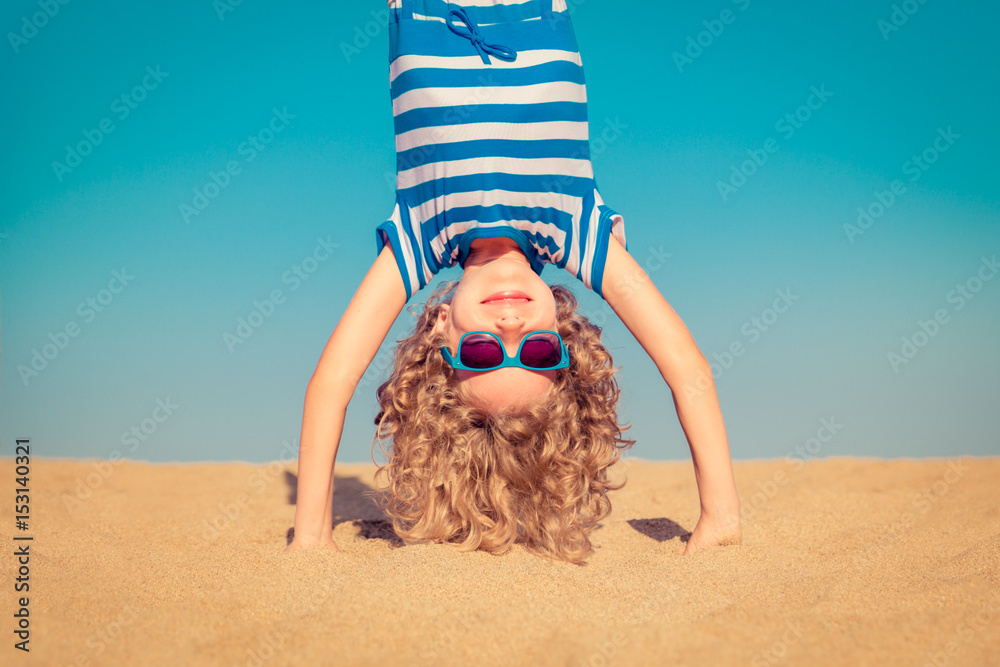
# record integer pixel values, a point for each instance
(661, 530)
(352, 502)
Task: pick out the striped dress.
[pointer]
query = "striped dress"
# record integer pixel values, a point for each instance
(490, 112)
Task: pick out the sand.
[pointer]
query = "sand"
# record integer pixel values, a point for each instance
(844, 561)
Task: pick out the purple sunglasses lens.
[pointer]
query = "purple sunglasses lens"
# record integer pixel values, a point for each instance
(480, 351)
(539, 351)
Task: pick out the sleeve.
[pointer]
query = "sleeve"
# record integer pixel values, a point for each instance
(610, 222)
(389, 232)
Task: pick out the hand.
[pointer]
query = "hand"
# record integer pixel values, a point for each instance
(310, 543)
(712, 532)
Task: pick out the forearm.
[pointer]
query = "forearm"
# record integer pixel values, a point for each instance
(322, 426)
(666, 339)
(701, 418)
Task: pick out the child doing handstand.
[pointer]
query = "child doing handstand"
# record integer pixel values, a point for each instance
(501, 404)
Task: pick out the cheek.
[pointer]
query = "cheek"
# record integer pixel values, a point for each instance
(460, 319)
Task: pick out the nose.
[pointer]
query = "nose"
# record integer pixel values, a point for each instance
(511, 327)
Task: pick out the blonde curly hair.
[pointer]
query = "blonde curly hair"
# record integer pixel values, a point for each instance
(463, 475)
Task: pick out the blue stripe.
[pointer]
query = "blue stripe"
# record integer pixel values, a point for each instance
(497, 212)
(494, 14)
(585, 212)
(490, 113)
(389, 228)
(513, 148)
(464, 240)
(575, 186)
(433, 38)
(601, 250)
(426, 77)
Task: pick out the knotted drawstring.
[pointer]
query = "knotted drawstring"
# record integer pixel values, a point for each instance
(472, 34)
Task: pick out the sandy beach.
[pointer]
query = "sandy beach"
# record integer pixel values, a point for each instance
(844, 561)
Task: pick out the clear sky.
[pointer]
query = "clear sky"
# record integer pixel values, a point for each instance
(116, 301)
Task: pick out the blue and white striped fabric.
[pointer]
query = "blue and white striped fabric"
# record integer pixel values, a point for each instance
(490, 112)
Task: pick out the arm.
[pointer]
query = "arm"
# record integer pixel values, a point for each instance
(355, 341)
(660, 331)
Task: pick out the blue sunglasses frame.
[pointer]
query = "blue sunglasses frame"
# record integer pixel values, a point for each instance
(508, 360)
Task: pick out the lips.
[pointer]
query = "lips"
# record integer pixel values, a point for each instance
(507, 296)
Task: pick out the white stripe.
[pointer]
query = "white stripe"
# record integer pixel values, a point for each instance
(505, 165)
(588, 254)
(446, 134)
(557, 5)
(618, 228)
(556, 200)
(524, 59)
(573, 263)
(424, 17)
(537, 93)
(404, 241)
(488, 3)
(457, 22)
(415, 222)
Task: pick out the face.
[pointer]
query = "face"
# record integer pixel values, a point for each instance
(491, 268)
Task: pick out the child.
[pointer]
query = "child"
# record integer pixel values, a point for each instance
(502, 403)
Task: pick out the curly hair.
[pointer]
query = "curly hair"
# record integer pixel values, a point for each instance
(480, 479)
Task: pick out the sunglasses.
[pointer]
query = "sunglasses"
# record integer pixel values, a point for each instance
(483, 351)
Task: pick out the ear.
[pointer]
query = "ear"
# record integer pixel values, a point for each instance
(442, 318)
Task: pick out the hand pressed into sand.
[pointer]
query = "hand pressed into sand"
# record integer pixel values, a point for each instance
(713, 532)
(311, 542)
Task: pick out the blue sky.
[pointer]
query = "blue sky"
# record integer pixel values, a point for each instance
(836, 107)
